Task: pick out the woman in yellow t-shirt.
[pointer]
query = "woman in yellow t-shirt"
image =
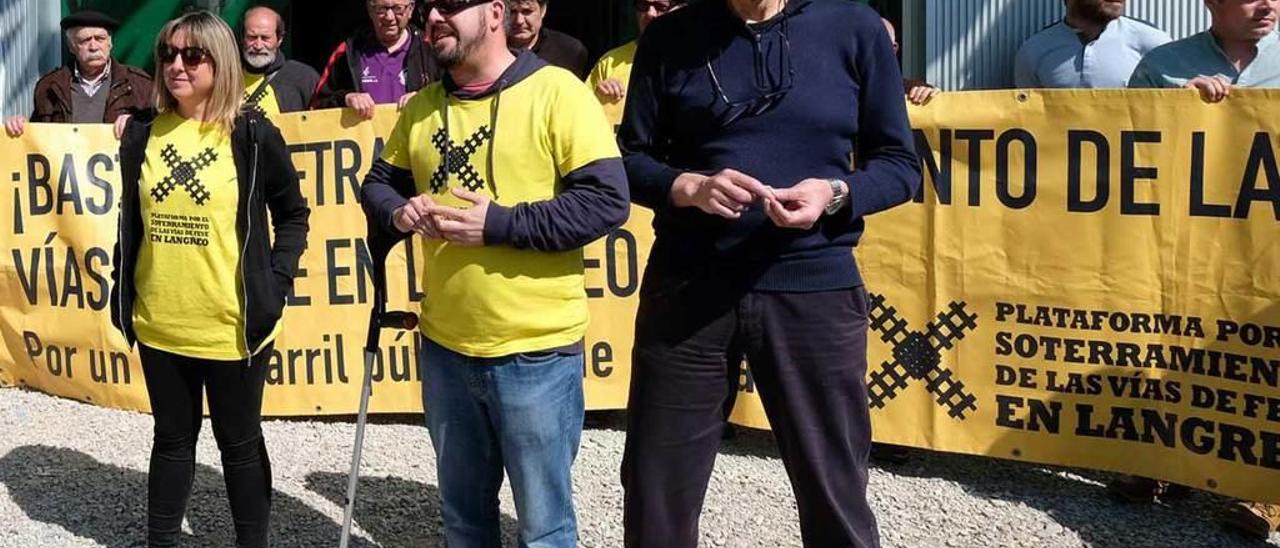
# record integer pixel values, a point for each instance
(200, 284)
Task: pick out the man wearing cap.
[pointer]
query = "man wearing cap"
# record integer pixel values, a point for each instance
(94, 89)
(272, 83)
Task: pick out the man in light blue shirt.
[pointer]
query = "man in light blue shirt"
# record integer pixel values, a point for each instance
(1093, 46)
(1240, 49)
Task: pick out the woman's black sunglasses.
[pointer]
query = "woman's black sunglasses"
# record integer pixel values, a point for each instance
(190, 55)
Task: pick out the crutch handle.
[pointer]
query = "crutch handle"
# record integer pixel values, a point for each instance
(398, 320)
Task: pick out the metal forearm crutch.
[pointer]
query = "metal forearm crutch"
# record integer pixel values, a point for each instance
(379, 244)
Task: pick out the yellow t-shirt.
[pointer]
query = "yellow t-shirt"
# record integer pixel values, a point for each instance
(264, 99)
(189, 298)
(615, 65)
(497, 300)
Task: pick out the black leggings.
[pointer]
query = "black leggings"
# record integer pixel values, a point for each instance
(174, 386)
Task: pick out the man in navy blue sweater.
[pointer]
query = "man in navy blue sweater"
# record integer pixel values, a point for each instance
(741, 125)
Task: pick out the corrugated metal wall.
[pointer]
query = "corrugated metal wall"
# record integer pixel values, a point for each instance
(29, 46)
(956, 44)
(970, 44)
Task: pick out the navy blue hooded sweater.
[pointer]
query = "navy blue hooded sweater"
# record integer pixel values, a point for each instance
(843, 108)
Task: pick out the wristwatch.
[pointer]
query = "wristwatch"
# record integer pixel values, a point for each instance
(839, 196)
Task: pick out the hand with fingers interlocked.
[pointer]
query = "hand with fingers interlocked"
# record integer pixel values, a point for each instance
(726, 194)
(414, 217)
(462, 226)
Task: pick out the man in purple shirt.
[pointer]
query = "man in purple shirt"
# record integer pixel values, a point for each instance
(383, 75)
(387, 63)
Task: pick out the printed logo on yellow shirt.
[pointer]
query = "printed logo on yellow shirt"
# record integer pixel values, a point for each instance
(498, 300)
(457, 159)
(189, 297)
(184, 173)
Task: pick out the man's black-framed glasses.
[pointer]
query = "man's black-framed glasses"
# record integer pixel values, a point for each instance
(395, 9)
(450, 7)
(767, 93)
(659, 6)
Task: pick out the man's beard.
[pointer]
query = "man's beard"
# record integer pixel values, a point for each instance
(260, 60)
(460, 52)
(1097, 14)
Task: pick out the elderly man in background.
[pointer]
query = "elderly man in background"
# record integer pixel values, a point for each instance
(555, 47)
(95, 88)
(1240, 49)
(1093, 46)
(387, 63)
(272, 83)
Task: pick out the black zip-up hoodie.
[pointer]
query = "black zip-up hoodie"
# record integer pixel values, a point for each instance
(268, 182)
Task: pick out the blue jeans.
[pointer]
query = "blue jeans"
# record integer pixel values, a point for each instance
(522, 413)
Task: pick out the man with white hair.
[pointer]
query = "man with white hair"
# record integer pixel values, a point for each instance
(272, 83)
(93, 89)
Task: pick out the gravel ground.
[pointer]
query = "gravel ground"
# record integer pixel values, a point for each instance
(75, 475)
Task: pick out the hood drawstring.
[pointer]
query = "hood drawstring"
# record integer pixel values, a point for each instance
(493, 137)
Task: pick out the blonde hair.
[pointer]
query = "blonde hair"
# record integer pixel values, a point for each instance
(209, 32)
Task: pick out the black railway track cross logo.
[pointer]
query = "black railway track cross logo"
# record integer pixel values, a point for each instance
(252, 101)
(456, 160)
(918, 355)
(183, 173)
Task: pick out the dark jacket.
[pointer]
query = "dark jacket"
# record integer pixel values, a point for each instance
(268, 182)
(811, 89)
(292, 82)
(130, 93)
(592, 201)
(339, 76)
(563, 51)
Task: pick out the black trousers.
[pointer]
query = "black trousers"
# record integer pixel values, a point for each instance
(807, 352)
(174, 386)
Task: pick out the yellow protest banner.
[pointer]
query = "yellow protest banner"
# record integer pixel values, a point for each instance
(1088, 278)
(60, 232)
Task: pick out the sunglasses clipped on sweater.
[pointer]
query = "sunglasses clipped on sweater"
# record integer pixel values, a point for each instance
(771, 85)
(450, 7)
(190, 55)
